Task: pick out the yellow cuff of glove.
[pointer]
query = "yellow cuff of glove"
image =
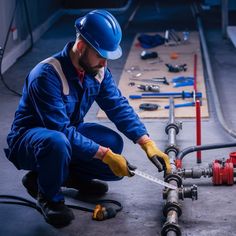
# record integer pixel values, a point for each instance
(151, 150)
(117, 163)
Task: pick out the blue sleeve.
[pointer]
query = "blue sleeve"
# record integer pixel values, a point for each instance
(46, 96)
(118, 109)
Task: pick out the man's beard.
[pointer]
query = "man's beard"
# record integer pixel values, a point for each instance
(84, 63)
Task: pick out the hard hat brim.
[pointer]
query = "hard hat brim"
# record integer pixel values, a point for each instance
(110, 55)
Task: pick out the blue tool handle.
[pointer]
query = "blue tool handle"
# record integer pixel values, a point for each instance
(162, 94)
(188, 104)
(135, 96)
(174, 94)
(199, 95)
(181, 79)
(183, 83)
(190, 95)
(183, 94)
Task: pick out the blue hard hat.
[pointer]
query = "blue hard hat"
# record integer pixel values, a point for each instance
(102, 31)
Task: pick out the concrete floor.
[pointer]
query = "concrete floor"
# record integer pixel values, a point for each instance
(212, 214)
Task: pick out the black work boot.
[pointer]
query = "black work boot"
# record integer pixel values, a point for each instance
(90, 187)
(30, 183)
(55, 213)
(87, 187)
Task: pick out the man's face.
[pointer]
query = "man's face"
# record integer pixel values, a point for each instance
(91, 61)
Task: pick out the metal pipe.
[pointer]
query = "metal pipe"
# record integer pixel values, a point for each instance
(171, 227)
(172, 208)
(188, 150)
(171, 233)
(172, 133)
(195, 173)
(172, 137)
(210, 74)
(172, 110)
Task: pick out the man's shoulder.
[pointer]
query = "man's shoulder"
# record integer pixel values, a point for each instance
(48, 74)
(42, 71)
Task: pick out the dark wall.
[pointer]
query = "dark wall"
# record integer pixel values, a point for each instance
(39, 11)
(93, 4)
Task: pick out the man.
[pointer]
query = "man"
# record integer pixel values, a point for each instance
(48, 135)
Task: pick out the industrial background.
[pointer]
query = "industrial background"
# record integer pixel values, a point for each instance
(204, 203)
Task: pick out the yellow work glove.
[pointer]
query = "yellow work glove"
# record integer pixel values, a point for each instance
(117, 164)
(154, 153)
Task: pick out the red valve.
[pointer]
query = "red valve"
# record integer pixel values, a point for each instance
(178, 163)
(232, 158)
(223, 173)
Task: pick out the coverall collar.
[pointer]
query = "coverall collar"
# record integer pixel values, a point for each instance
(67, 66)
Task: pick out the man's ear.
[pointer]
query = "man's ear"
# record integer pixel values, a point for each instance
(80, 46)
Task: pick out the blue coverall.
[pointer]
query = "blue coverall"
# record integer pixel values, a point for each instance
(48, 134)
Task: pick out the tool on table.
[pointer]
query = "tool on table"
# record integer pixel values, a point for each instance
(172, 38)
(146, 87)
(148, 55)
(188, 104)
(174, 55)
(176, 68)
(182, 81)
(186, 36)
(153, 80)
(153, 179)
(149, 106)
(166, 37)
(149, 88)
(182, 78)
(135, 68)
(173, 35)
(182, 95)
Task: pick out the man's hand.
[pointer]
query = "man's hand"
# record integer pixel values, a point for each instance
(117, 164)
(153, 152)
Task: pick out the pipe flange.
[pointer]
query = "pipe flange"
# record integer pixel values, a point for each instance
(172, 126)
(172, 206)
(172, 148)
(168, 227)
(174, 177)
(188, 192)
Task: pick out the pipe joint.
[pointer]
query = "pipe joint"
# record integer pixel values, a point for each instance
(172, 148)
(195, 173)
(172, 206)
(171, 227)
(174, 177)
(188, 192)
(175, 125)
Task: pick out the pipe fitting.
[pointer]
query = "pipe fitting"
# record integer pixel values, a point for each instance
(174, 125)
(195, 173)
(171, 227)
(223, 172)
(172, 148)
(174, 177)
(172, 206)
(188, 192)
(232, 158)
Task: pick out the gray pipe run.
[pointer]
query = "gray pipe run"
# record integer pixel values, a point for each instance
(172, 134)
(218, 108)
(188, 150)
(171, 227)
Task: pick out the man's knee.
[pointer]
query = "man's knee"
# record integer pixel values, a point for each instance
(57, 139)
(57, 143)
(115, 142)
